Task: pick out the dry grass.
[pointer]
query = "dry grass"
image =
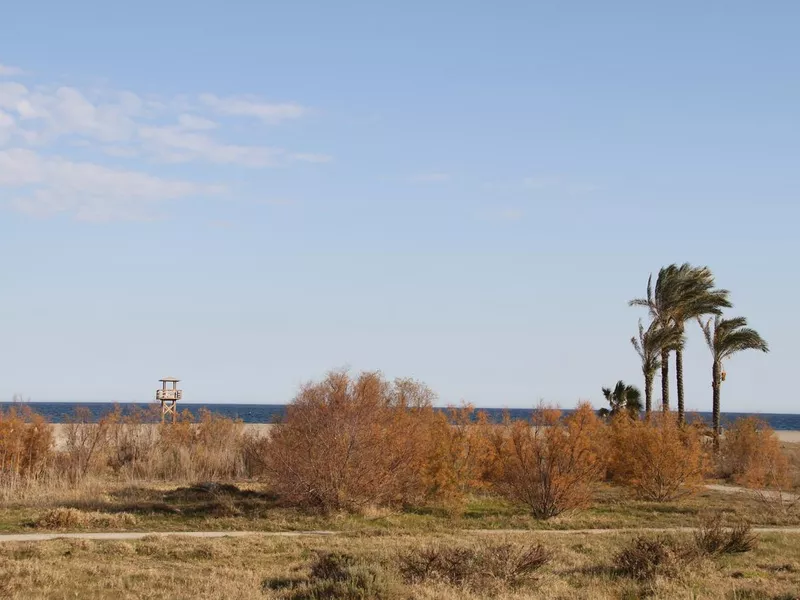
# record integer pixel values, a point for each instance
(72, 518)
(271, 568)
(712, 537)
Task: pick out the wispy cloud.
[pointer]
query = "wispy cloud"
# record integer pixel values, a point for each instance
(41, 125)
(8, 71)
(430, 178)
(249, 107)
(45, 186)
(311, 158)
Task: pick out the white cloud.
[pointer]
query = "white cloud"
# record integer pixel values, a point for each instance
(7, 71)
(172, 144)
(50, 134)
(121, 121)
(87, 191)
(7, 125)
(248, 107)
(195, 123)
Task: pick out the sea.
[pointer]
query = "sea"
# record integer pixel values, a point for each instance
(60, 412)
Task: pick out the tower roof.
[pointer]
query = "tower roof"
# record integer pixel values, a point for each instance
(169, 379)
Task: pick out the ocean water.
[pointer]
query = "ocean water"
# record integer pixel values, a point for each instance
(59, 412)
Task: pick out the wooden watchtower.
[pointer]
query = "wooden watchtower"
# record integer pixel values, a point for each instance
(169, 398)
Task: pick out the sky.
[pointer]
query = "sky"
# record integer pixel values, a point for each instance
(247, 195)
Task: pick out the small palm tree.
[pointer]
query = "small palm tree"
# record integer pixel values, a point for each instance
(681, 293)
(649, 345)
(726, 337)
(624, 398)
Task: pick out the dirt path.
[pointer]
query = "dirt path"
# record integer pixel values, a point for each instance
(769, 494)
(138, 535)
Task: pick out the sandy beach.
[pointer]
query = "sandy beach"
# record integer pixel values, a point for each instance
(790, 437)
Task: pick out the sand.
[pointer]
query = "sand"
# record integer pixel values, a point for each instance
(791, 437)
(60, 431)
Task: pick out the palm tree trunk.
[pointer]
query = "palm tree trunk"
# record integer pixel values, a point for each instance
(715, 386)
(679, 379)
(648, 394)
(665, 380)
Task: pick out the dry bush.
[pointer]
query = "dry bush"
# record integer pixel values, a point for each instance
(255, 448)
(550, 464)
(458, 454)
(133, 443)
(26, 448)
(337, 576)
(87, 442)
(509, 564)
(72, 518)
(751, 456)
(657, 458)
(348, 444)
(209, 449)
(646, 558)
(712, 537)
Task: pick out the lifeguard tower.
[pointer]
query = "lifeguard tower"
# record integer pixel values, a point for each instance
(169, 398)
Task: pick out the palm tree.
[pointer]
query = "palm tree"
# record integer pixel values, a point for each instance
(649, 345)
(681, 293)
(624, 398)
(726, 337)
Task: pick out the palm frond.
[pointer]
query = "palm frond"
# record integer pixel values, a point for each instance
(730, 336)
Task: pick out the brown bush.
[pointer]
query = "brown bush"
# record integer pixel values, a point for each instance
(658, 459)
(713, 538)
(457, 455)
(509, 564)
(72, 518)
(26, 444)
(549, 464)
(347, 444)
(133, 443)
(645, 558)
(86, 442)
(208, 449)
(751, 456)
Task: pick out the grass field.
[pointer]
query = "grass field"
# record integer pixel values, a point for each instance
(582, 566)
(247, 507)
(480, 549)
(259, 567)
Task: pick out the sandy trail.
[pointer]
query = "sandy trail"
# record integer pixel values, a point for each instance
(138, 535)
(788, 497)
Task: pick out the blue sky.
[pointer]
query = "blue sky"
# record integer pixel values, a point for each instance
(248, 194)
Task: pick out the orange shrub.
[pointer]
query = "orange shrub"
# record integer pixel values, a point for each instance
(457, 455)
(26, 443)
(347, 444)
(657, 458)
(549, 464)
(208, 449)
(133, 442)
(86, 442)
(751, 455)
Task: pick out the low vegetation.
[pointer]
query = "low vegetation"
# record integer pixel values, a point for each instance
(577, 567)
(73, 518)
(713, 538)
(657, 459)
